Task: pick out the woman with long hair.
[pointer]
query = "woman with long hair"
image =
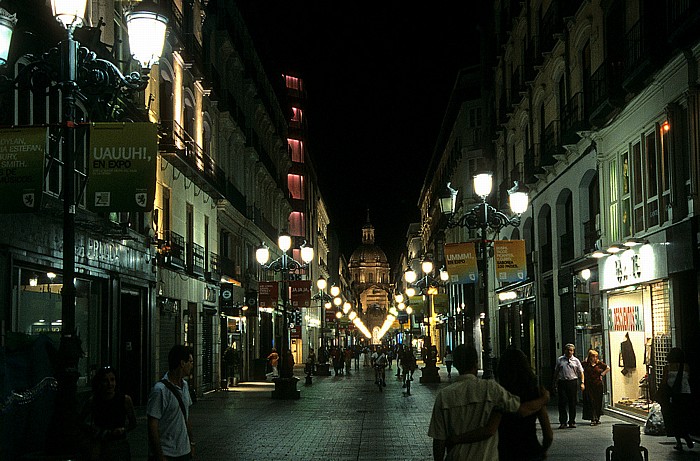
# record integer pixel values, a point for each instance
(593, 371)
(107, 417)
(517, 436)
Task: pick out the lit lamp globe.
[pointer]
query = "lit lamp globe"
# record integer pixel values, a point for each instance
(518, 199)
(426, 266)
(335, 291)
(307, 254)
(337, 301)
(69, 13)
(444, 275)
(321, 283)
(284, 241)
(346, 307)
(483, 183)
(409, 310)
(146, 34)
(7, 25)
(338, 315)
(262, 254)
(399, 298)
(410, 275)
(410, 291)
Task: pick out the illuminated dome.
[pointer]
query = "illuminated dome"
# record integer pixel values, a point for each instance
(368, 252)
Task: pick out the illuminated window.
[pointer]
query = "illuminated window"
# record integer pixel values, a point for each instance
(296, 115)
(295, 183)
(293, 83)
(297, 224)
(296, 150)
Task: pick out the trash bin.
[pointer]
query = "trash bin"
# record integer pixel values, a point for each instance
(626, 444)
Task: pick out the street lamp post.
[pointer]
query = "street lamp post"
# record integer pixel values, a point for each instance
(78, 67)
(427, 286)
(484, 217)
(286, 383)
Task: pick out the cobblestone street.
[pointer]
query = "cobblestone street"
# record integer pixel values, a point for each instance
(348, 418)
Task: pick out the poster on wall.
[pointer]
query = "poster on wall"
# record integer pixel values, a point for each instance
(22, 154)
(511, 263)
(460, 259)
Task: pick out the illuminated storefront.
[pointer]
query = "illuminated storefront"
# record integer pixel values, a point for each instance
(636, 297)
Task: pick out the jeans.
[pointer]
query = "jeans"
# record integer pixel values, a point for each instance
(568, 397)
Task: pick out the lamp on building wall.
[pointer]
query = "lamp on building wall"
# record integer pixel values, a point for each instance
(484, 218)
(77, 67)
(427, 285)
(286, 383)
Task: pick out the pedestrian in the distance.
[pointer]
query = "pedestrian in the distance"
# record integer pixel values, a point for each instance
(593, 371)
(448, 361)
(567, 372)
(107, 417)
(274, 359)
(168, 410)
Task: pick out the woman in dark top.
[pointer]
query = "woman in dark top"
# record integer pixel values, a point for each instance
(107, 416)
(517, 436)
(678, 409)
(593, 372)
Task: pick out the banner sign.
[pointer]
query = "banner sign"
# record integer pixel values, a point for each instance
(626, 318)
(460, 259)
(268, 294)
(330, 314)
(417, 303)
(122, 167)
(295, 332)
(511, 264)
(22, 154)
(300, 293)
(441, 303)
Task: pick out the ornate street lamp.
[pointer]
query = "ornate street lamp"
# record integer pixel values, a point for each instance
(74, 69)
(286, 383)
(426, 285)
(485, 218)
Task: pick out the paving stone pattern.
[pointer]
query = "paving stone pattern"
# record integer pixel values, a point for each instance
(347, 418)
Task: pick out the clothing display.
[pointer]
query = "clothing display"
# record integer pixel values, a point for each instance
(628, 359)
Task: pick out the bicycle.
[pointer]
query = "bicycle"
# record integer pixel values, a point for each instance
(379, 377)
(407, 378)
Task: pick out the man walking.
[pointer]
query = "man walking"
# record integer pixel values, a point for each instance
(169, 428)
(567, 372)
(461, 421)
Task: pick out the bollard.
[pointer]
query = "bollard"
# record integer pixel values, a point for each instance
(626, 444)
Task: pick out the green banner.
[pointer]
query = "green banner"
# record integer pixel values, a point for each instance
(122, 167)
(22, 155)
(441, 303)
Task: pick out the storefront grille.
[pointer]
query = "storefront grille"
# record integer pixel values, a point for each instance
(661, 318)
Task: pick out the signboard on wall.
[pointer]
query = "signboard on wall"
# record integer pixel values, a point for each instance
(22, 154)
(460, 259)
(511, 263)
(122, 167)
(635, 265)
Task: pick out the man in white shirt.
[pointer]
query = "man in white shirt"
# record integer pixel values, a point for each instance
(567, 372)
(462, 412)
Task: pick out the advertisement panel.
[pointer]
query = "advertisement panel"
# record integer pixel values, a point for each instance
(268, 294)
(511, 263)
(122, 167)
(300, 293)
(460, 259)
(22, 155)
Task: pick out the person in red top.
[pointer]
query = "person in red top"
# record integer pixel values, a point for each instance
(593, 371)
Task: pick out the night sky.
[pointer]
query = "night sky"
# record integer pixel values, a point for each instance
(378, 77)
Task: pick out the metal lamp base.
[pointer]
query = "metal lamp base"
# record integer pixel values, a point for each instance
(286, 389)
(429, 374)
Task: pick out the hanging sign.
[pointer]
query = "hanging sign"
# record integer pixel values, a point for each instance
(22, 154)
(300, 293)
(122, 166)
(511, 264)
(441, 303)
(460, 260)
(267, 294)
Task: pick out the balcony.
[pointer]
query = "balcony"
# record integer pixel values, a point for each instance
(551, 24)
(574, 119)
(214, 273)
(179, 149)
(516, 86)
(195, 259)
(682, 22)
(552, 144)
(171, 250)
(531, 164)
(643, 49)
(255, 215)
(606, 94)
(533, 58)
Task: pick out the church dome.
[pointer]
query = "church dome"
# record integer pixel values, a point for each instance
(368, 252)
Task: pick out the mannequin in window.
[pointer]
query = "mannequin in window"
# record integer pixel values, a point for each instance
(628, 359)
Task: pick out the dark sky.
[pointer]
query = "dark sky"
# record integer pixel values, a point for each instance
(378, 77)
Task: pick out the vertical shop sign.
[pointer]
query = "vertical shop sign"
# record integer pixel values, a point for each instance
(22, 154)
(122, 167)
(460, 259)
(268, 294)
(300, 293)
(511, 264)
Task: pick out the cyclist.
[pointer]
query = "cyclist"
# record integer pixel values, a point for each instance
(408, 363)
(380, 363)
